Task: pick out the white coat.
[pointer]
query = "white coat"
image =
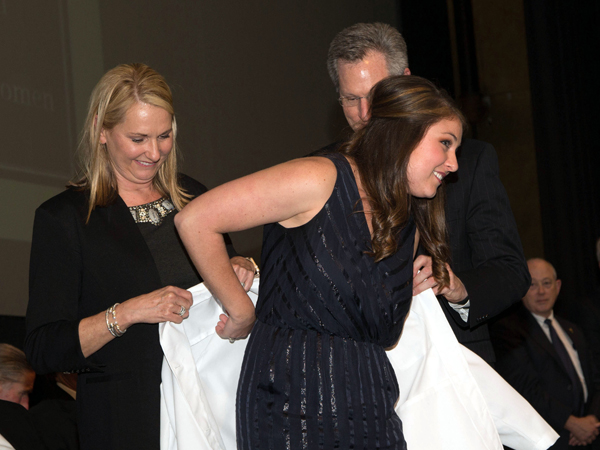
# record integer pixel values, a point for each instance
(449, 397)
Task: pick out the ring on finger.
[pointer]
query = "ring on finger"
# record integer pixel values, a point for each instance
(182, 311)
(243, 284)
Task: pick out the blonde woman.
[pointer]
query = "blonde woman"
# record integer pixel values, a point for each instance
(107, 264)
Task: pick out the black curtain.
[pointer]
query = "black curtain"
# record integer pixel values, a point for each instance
(562, 43)
(424, 26)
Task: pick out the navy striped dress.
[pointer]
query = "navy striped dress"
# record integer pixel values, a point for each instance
(315, 374)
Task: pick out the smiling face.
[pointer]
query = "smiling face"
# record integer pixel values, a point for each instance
(18, 392)
(544, 289)
(139, 145)
(434, 158)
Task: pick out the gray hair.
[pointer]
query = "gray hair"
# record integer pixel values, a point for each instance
(353, 43)
(13, 364)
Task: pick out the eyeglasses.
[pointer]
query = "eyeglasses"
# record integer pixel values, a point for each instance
(546, 284)
(350, 102)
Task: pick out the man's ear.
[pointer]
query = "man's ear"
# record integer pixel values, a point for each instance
(407, 71)
(558, 284)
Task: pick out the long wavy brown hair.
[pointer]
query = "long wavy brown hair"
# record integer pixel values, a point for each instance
(117, 91)
(403, 108)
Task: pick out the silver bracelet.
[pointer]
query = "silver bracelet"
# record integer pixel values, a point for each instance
(108, 324)
(116, 324)
(113, 327)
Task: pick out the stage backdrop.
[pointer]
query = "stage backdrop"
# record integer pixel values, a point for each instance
(249, 79)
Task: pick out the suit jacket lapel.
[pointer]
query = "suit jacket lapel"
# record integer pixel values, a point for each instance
(538, 335)
(580, 348)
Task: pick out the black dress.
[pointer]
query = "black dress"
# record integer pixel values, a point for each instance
(315, 373)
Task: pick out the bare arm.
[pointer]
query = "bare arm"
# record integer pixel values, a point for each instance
(290, 193)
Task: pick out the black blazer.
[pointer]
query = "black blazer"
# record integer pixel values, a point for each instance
(528, 361)
(17, 427)
(78, 270)
(486, 249)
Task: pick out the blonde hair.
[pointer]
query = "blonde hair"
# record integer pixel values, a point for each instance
(117, 91)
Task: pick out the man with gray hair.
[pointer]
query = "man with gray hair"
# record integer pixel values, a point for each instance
(488, 271)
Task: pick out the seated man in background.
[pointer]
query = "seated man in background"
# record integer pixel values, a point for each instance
(545, 358)
(16, 383)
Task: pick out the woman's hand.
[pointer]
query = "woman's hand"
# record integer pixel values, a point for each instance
(230, 328)
(423, 279)
(162, 305)
(244, 270)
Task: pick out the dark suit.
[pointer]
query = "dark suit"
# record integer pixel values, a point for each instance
(17, 427)
(486, 249)
(78, 270)
(529, 362)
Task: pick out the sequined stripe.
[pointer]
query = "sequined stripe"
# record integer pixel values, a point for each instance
(269, 397)
(350, 281)
(246, 404)
(288, 392)
(320, 399)
(336, 294)
(394, 435)
(310, 286)
(303, 395)
(368, 397)
(371, 310)
(290, 276)
(398, 268)
(332, 389)
(350, 368)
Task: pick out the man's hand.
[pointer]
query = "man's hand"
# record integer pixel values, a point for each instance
(583, 429)
(423, 280)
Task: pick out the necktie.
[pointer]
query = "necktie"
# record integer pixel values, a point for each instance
(570, 368)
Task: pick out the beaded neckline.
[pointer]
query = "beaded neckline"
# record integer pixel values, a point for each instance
(153, 212)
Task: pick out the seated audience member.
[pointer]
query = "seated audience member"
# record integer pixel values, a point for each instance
(16, 382)
(546, 359)
(55, 417)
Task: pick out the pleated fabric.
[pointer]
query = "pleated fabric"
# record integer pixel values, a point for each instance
(315, 374)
